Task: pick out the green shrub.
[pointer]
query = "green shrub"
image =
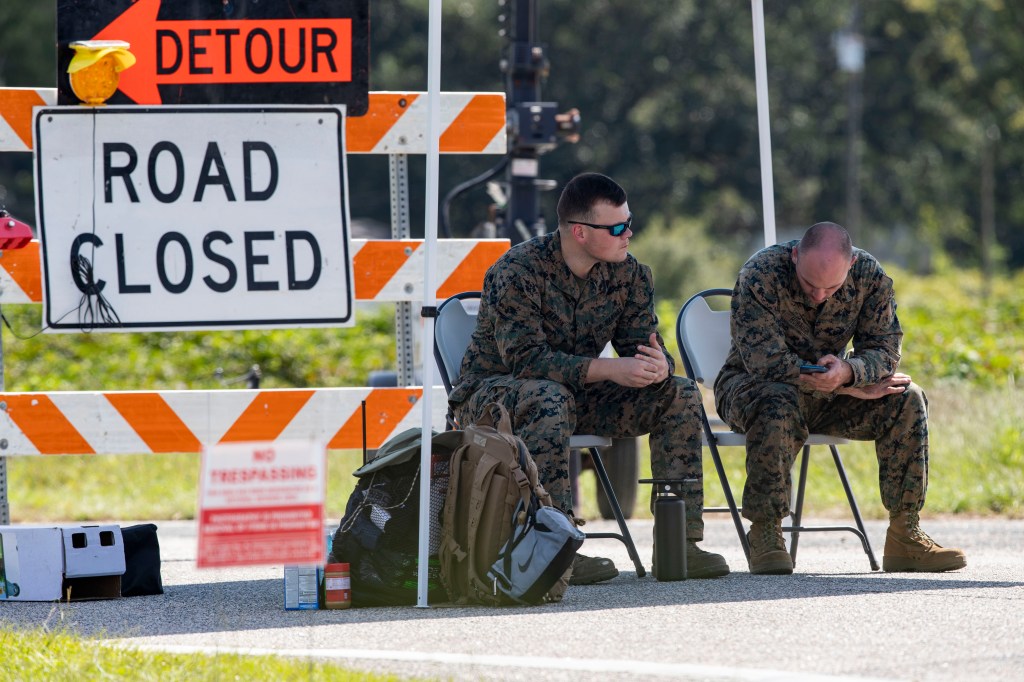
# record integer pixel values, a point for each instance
(957, 325)
(190, 360)
(685, 260)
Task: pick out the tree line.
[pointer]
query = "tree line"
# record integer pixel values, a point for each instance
(916, 148)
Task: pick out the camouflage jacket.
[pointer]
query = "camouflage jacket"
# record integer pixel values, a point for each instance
(776, 328)
(539, 321)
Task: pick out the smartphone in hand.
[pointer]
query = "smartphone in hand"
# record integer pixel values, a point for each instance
(812, 369)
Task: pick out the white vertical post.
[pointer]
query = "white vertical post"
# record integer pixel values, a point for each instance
(429, 290)
(764, 133)
(5, 510)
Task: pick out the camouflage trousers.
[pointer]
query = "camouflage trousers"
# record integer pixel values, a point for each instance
(777, 419)
(546, 413)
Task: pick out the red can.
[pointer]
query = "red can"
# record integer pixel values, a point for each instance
(337, 586)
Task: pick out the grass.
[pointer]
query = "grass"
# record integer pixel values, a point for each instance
(123, 487)
(58, 655)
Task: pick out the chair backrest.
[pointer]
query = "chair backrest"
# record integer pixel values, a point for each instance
(704, 336)
(453, 329)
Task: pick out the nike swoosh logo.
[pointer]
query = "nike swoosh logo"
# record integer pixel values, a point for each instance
(525, 566)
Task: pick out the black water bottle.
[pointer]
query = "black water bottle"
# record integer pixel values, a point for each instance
(669, 532)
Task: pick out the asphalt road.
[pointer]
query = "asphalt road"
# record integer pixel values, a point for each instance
(833, 619)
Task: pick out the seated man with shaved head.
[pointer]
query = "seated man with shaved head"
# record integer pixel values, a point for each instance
(804, 302)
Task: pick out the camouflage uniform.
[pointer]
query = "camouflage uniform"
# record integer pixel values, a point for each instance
(537, 331)
(776, 328)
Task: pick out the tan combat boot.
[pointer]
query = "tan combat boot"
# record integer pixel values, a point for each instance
(908, 548)
(768, 553)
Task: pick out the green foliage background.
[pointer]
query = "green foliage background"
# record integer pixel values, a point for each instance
(191, 360)
(667, 97)
(964, 343)
(666, 91)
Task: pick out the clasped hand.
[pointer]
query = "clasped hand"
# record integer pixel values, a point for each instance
(891, 385)
(648, 366)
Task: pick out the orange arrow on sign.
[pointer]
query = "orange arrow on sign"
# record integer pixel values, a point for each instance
(227, 51)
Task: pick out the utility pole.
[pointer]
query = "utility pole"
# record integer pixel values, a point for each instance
(987, 224)
(850, 56)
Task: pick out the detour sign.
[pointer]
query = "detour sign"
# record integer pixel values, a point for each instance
(209, 51)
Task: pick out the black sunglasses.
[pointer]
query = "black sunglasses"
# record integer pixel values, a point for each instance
(616, 229)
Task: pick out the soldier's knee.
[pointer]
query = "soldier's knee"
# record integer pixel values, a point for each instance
(686, 391)
(914, 398)
(778, 402)
(546, 398)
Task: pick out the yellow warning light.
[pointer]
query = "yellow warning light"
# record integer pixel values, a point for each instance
(95, 69)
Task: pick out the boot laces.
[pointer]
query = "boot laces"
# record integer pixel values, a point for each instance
(914, 529)
(692, 549)
(771, 536)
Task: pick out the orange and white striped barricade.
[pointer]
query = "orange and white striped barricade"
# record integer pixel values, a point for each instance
(16, 115)
(21, 279)
(122, 422)
(142, 422)
(395, 123)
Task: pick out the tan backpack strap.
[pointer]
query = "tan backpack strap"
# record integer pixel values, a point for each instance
(542, 495)
(450, 550)
(496, 416)
(523, 481)
(484, 589)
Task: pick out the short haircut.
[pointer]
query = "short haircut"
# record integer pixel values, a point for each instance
(584, 191)
(829, 236)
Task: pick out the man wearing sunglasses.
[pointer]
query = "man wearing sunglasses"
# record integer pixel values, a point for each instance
(548, 308)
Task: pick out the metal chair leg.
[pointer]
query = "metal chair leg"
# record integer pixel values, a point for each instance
(853, 507)
(729, 499)
(797, 528)
(712, 443)
(623, 535)
(799, 511)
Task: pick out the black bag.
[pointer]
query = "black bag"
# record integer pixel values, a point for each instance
(378, 535)
(141, 561)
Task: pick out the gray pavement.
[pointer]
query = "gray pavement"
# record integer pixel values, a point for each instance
(833, 619)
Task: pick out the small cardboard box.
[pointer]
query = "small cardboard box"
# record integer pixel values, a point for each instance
(302, 583)
(50, 563)
(302, 587)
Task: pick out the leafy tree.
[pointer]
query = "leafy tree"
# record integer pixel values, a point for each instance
(666, 91)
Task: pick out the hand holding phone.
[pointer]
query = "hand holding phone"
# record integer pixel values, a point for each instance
(813, 369)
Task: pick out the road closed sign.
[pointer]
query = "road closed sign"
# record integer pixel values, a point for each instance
(192, 218)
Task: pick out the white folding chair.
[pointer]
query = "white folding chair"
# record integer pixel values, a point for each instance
(704, 339)
(453, 329)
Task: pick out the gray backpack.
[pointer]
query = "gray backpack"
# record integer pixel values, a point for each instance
(501, 541)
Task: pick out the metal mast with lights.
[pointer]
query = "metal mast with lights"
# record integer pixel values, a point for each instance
(535, 127)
